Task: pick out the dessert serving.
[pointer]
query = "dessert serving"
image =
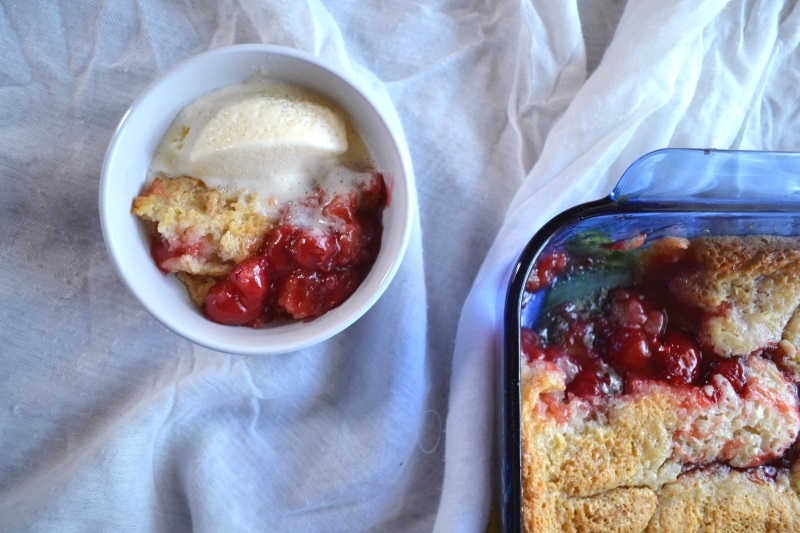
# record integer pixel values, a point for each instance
(658, 385)
(265, 202)
(236, 145)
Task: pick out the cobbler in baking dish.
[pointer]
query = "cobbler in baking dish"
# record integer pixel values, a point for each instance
(668, 402)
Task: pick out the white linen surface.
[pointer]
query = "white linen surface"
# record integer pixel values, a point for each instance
(513, 110)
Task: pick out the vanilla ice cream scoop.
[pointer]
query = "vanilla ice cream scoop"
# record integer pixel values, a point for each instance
(263, 137)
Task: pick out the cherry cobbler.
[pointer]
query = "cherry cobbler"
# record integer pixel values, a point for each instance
(245, 267)
(668, 403)
(265, 202)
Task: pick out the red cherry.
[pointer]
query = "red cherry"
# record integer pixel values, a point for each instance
(532, 345)
(342, 207)
(373, 194)
(349, 244)
(579, 338)
(655, 323)
(250, 278)
(160, 252)
(679, 359)
(313, 248)
(276, 248)
(628, 349)
(586, 384)
(226, 305)
(734, 370)
(239, 300)
(627, 308)
(546, 268)
(308, 294)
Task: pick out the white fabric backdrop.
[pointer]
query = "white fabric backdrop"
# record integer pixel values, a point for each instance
(513, 110)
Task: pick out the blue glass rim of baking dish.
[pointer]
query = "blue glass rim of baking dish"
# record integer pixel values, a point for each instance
(698, 192)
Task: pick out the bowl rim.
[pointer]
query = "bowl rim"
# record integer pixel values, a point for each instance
(393, 132)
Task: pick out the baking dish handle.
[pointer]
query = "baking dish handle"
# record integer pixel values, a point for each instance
(719, 179)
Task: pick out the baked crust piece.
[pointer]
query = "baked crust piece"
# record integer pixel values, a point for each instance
(572, 478)
(664, 457)
(722, 500)
(197, 286)
(584, 460)
(209, 229)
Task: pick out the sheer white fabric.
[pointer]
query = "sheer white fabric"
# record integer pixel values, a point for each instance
(513, 110)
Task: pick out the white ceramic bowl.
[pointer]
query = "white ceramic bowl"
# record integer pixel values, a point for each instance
(132, 148)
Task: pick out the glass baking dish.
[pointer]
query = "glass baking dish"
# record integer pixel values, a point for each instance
(671, 192)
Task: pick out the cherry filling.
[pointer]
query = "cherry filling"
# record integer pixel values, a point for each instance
(164, 252)
(626, 338)
(614, 345)
(633, 336)
(240, 299)
(545, 270)
(303, 271)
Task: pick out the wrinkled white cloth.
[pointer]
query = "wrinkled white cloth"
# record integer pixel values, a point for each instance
(698, 74)
(513, 110)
